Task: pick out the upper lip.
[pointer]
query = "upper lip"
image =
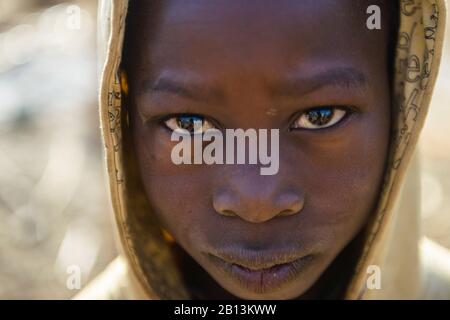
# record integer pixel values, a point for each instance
(257, 259)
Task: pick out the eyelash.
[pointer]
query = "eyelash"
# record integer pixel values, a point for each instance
(343, 112)
(317, 113)
(171, 123)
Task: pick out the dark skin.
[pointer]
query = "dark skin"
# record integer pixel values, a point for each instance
(262, 64)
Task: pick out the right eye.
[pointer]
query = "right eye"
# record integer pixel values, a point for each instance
(320, 118)
(192, 123)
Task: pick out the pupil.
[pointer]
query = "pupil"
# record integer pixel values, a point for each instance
(190, 124)
(321, 116)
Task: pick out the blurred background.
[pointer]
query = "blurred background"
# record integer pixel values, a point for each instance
(54, 210)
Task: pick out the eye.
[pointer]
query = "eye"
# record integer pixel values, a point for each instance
(320, 118)
(192, 123)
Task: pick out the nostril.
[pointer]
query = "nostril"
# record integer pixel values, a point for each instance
(228, 213)
(257, 208)
(286, 212)
(289, 204)
(224, 203)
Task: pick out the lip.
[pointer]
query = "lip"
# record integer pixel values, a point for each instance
(260, 271)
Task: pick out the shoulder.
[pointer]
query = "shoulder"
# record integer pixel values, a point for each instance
(435, 260)
(111, 284)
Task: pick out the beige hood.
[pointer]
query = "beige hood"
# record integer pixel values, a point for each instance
(392, 238)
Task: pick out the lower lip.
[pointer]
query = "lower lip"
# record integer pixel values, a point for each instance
(263, 280)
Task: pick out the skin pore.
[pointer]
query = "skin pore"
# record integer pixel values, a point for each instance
(296, 66)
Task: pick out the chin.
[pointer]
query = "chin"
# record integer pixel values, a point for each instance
(289, 292)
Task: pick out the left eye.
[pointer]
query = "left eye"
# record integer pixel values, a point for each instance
(192, 123)
(320, 118)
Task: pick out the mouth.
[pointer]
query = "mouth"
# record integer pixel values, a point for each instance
(260, 271)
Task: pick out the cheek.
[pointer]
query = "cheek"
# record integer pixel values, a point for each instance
(181, 203)
(153, 147)
(179, 195)
(341, 172)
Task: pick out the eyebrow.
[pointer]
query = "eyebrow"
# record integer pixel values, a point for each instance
(296, 85)
(189, 90)
(342, 77)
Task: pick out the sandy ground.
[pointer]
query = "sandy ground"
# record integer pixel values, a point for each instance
(54, 209)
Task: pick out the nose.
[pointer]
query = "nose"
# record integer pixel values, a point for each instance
(257, 204)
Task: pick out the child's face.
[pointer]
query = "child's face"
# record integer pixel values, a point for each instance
(263, 64)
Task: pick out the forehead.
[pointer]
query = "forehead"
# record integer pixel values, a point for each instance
(260, 34)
